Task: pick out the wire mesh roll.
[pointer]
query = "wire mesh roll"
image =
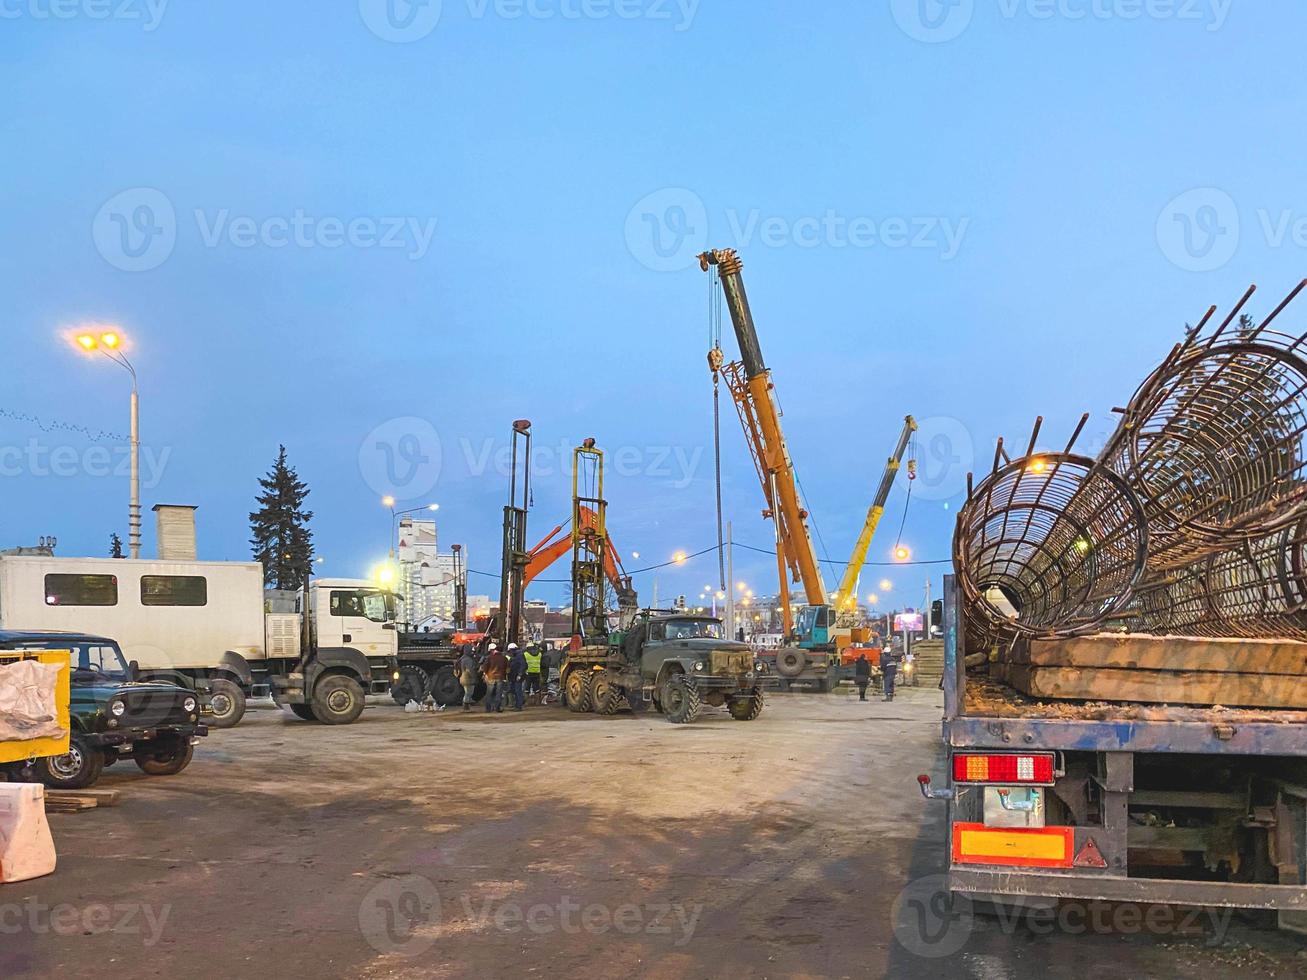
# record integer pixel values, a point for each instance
(1049, 545)
(1213, 444)
(1256, 590)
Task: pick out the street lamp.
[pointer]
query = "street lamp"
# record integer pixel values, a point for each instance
(109, 343)
(395, 515)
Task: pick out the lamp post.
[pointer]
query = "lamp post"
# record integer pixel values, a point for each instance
(109, 343)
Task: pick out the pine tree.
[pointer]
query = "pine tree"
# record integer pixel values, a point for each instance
(115, 546)
(281, 537)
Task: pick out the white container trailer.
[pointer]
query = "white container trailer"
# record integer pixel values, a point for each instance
(203, 624)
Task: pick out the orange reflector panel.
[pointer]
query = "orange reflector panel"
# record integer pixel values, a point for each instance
(1036, 847)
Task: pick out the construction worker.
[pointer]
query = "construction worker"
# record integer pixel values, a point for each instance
(889, 667)
(533, 659)
(496, 670)
(862, 675)
(517, 676)
(468, 672)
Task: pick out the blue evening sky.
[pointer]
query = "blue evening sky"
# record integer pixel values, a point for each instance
(378, 236)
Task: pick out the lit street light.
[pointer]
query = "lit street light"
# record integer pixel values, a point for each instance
(109, 343)
(395, 515)
(886, 585)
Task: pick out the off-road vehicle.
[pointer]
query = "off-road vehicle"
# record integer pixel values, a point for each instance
(113, 716)
(674, 661)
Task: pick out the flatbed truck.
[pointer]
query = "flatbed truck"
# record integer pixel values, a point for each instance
(1120, 802)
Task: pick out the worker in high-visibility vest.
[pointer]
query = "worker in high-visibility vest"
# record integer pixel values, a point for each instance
(533, 685)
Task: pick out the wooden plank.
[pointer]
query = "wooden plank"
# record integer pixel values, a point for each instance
(69, 805)
(1184, 653)
(1158, 686)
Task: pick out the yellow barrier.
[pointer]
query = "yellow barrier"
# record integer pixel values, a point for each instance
(42, 747)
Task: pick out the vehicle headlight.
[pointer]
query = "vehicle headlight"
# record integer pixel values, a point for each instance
(758, 666)
(395, 676)
(189, 705)
(117, 708)
(699, 665)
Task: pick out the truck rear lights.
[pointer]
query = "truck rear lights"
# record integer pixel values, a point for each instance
(1032, 769)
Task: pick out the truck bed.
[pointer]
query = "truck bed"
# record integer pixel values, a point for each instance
(994, 715)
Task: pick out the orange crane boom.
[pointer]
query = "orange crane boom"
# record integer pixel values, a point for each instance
(552, 547)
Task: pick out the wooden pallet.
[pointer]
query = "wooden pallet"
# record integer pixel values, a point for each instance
(75, 801)
(1161, 670)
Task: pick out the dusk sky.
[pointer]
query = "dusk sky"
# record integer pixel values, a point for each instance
(379, 232)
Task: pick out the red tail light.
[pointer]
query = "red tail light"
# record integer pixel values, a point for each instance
(1032, 769)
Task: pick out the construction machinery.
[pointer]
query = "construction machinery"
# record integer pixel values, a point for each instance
(674, 661)
(811, 653)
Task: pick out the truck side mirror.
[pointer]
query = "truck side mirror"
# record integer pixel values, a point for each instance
(133, 670)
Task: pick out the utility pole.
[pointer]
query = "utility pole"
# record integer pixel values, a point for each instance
(730, 581)
(927, 619)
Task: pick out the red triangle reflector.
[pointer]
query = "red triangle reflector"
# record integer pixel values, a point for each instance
(1090, 856)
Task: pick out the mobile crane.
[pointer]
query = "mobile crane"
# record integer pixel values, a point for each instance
(811, 652)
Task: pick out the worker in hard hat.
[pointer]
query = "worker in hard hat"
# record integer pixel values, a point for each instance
(468, 672)
(517, 676)
(889, 668)
(533, 667)
(496, 670)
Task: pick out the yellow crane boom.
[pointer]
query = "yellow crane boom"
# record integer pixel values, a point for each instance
(845, 598)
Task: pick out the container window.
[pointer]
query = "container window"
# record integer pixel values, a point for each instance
(81, 590)
(174, 590)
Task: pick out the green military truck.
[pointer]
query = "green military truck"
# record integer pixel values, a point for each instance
(674, 661)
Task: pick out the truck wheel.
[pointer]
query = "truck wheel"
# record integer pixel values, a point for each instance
(445, 687)
(80, 768)
(605, 695)
(227, 701)
(304, 712)
(411, 686)
(681, 702)
(791, 662)
(577, 689)
(747, 708)
(337, 700)
(163, 757)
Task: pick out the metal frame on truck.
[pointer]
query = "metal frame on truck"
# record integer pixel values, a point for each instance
(1043, 807)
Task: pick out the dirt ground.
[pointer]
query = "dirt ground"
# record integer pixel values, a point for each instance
(546, 844)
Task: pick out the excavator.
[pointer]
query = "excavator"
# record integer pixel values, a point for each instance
(811, 650)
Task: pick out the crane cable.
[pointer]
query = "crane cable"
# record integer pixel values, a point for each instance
(715, 361)
(912, 478)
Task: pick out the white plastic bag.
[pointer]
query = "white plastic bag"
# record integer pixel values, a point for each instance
(28, 706)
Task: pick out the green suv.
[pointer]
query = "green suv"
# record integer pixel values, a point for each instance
(113, 715)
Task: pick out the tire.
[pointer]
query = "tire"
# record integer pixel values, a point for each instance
(228, 703)
(413, 685)
(681, 703)
(79, 769)
(337, 700)
(445, 687)
(304, 712)
(747, 709)
(164, 757)
(576, 688)
(605, 695)
(791, 662)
